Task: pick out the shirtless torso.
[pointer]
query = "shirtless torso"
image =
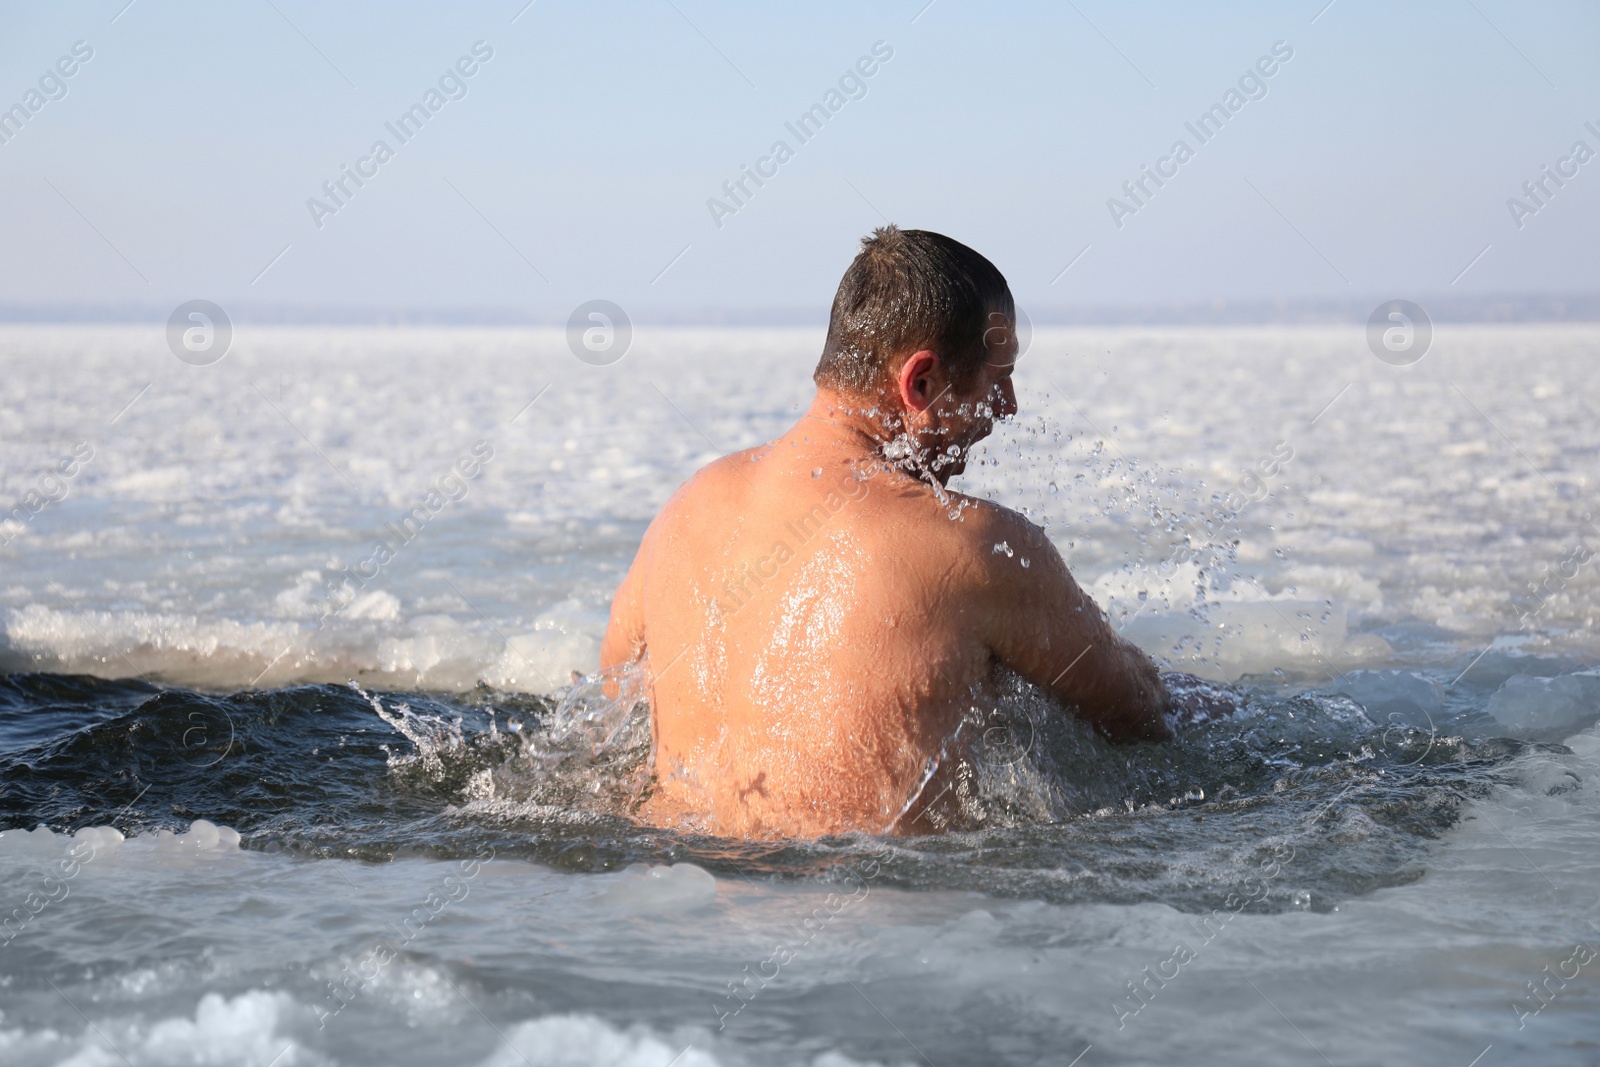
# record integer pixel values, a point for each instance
(817, 623)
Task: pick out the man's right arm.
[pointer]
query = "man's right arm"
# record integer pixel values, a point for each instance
(1041, 624)
(624, 639)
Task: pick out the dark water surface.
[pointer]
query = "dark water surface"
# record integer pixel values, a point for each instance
(330, 771)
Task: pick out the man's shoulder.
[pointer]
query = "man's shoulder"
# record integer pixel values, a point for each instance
(1010, 560)
(975, 543)
(993, 529)
(720, 480)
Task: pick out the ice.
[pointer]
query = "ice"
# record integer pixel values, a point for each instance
(1547, 708)
(1237, 639)
(106, 838)
(40, 637)
(511, 585)
(205, 836)
(200, 544)
(42, 844)
(669, 888)
(202, 838)
(1395, 696)
(28, 844)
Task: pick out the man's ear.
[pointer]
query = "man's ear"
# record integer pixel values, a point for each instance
(921, 379)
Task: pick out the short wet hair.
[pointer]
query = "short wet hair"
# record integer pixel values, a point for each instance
(905, 291)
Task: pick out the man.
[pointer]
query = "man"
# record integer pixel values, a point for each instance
(821, 614)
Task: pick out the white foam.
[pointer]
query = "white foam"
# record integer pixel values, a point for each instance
(585, 1041)
(579, 1040)
(240, 1031)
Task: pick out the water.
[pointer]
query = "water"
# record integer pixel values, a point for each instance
(386, 826)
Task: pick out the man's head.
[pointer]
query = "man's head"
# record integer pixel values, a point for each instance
(923, 331)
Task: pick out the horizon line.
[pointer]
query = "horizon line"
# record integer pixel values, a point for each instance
(1489, 308)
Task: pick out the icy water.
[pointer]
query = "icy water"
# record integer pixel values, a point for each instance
(272, 795)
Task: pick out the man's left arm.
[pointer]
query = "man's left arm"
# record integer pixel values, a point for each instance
(1043, 625)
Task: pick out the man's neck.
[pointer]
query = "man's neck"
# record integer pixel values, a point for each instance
(867, 419)
(870, 425)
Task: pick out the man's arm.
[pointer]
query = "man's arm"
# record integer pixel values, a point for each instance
(1040, 623)
(624, 639)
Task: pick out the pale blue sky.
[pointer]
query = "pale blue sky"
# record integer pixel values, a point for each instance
(1379, 162)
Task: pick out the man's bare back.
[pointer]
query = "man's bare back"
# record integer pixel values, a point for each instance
(819, 615)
